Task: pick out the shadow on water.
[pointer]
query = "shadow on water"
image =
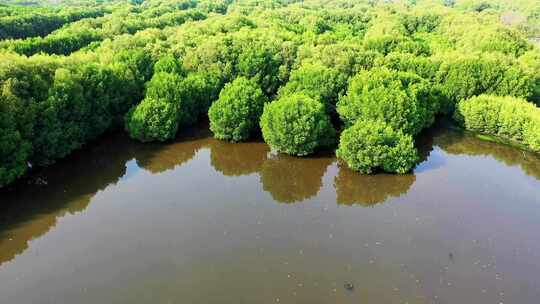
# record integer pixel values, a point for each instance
(424, 142)
(32, 206)
(160, 157)
(353, 188)
(457, 143)
(293, 179)
(236, 159)
(369, 190)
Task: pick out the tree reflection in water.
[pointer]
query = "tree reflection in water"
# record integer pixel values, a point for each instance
(368, 190)
(235, 159)
(160, 157)
(31, 207)
(292, 179)
(455, 142)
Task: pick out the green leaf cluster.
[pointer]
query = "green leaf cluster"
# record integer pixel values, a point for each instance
(297, 125)
(372, 145)
(402, 99)
(153, 120)
(235, 115)
(510, 118)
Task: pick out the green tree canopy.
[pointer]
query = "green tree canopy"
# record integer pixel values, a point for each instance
(235, 115)
(402, 99)
(465, 77)
(371, 145)
(317, 81)
(14, 150)
(506, 117)
(170, 87)
(169, 64)
(153, 119)
(296, 124)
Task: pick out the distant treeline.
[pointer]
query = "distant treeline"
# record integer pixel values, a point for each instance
(34, 24)
(81, 34)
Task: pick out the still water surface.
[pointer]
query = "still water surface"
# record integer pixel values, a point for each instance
(203, 221)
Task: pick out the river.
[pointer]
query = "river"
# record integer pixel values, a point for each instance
(204, 221)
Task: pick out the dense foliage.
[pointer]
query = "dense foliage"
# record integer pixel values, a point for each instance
(153, 119)
(171, 101)
(14, 150)
(466, 77)
(296, 124)
(371, 145)
(29, 24)
(77, 35)
(52, 107)
(507, 117)
(317, 81)
(235, 115)
(402, 99)
(72, 70)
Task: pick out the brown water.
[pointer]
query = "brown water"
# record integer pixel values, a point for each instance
(203, 221)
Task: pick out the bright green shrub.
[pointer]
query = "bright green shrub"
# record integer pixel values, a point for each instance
(235, 115)
(415, 23)
(168, 64)
(345, 57)
(371, 145)
(186, 98)
(493, 38)
(296, 124)
(201, 89)
(211, 56)
(425, 67)
(141, 66)
(463, 78)
(403, 100)
(169, 86)
(388, 43)
(385, 24)
(259, 59)
(505, 40)
(316, 81)
(530, 62)
(507, 117)
(531, 133)
(153, 119)
(164, 85)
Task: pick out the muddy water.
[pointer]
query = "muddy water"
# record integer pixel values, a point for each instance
(203, 221)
